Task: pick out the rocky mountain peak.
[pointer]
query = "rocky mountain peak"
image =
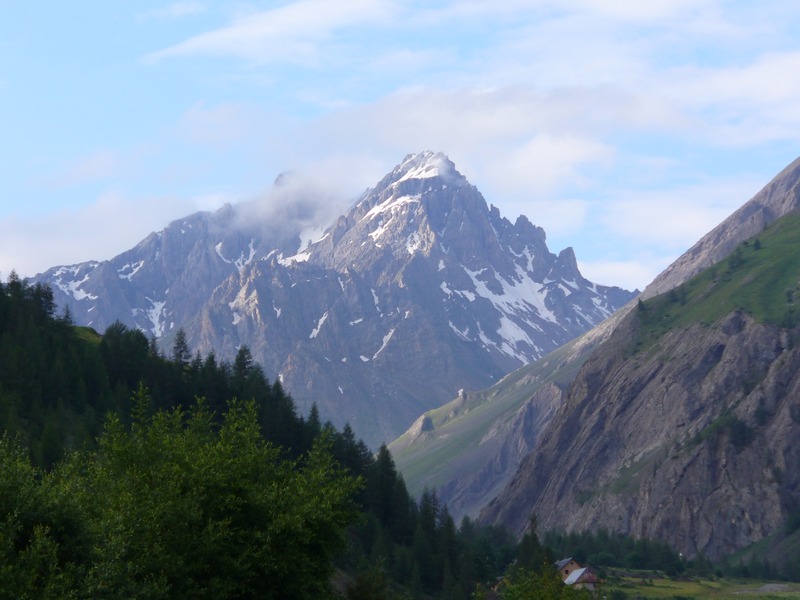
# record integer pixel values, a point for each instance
(423, 206)
(417, 291)
(427, 165)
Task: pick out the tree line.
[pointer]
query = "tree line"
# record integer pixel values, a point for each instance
(128, 473)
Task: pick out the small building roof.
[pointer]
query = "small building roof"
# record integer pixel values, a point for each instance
(563, 562)
(582, 575)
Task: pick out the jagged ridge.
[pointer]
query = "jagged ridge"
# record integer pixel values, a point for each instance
(419, 290)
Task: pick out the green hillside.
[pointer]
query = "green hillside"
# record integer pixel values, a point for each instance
(760, 277)
(457, 438)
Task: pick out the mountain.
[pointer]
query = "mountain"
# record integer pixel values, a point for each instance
(470, 448)
(778, 198)
(419, 290)
(682, 424)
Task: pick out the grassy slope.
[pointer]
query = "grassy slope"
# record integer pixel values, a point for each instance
(761, 277)
(703, 589)
(453, 448)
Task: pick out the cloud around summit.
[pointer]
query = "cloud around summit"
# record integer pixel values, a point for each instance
(587, 116)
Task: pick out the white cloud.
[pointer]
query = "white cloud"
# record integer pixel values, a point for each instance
(741, 104)
(638, 12)
(295, 203)
(631, 274)
(98, 231)
(545, 162)
(673, 218)
(290, 33)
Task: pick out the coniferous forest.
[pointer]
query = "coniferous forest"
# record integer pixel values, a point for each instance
(125, 473)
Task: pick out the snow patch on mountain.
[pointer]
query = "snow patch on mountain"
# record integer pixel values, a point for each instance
(602, 306)
(463, 293)
(156, 314)
(513, 335)
(431, 168)
(128, 270)
(462, 334)
(299, 257)
(242, 261)
(386, 339)
(73, 287)
(312, 235)
(413, 243)
(571, 283)
(375, 299)
(390, 206)
(236, 316)
(522, 293)
(315, 331)
(244, 304)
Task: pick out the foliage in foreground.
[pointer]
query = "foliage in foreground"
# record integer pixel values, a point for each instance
(58, 383)
(174, 507)
(90, 525)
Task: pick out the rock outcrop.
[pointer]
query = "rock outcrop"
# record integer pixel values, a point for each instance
(692, 442)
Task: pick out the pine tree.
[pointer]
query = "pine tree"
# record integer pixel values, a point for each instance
(181, 354)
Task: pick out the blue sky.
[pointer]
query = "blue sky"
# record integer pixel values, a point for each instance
(625, 129)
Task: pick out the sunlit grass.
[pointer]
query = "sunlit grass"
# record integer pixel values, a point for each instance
(761, 277)
(700, 589)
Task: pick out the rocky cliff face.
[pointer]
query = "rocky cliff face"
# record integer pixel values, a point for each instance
(682, 424)
(777, 199)
(692, 442)
(419, 290)
(468, 449)
(505, 445)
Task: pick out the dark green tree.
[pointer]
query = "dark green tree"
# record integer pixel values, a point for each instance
(181, 354)
(179, 508)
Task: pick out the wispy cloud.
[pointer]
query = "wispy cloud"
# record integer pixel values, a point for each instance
(598, 119)
(290, 33)
(113, 223)
(674, 217)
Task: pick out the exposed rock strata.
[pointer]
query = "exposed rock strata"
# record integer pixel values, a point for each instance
(692, 442)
